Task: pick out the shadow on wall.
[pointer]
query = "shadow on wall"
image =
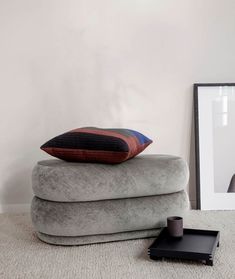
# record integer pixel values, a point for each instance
(231, 188)
(17, 186)
(192, 165)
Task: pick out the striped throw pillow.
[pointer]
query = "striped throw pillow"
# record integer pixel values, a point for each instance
(91, 144)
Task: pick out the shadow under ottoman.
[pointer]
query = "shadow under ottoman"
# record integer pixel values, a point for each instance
(81, 203)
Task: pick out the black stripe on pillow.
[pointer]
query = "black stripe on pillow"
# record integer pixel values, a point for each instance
(87, 141)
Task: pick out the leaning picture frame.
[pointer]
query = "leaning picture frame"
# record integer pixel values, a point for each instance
(214, 117)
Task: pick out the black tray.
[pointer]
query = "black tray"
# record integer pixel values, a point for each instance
(194, 245)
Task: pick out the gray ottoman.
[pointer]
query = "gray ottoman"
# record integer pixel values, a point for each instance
(83, 203)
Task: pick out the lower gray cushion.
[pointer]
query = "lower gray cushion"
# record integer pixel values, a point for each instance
(106, 217)
(145, 175)
(91, 239)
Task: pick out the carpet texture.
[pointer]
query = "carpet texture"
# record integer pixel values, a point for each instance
(22, 255)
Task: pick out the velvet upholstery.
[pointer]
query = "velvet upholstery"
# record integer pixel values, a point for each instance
(99, 238)
(144, 175)
(83, 203)
(106, 217)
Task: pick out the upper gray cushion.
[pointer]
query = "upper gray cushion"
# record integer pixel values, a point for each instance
(145, 175)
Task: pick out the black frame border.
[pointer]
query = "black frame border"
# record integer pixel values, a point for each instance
(197, 134)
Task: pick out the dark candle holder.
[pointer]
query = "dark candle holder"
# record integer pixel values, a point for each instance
(175, 226)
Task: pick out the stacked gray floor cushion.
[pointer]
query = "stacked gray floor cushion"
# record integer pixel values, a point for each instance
(83, 203)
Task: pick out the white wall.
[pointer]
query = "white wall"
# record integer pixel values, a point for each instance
(125, 63)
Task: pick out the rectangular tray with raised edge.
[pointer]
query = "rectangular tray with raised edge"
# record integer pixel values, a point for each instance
(194, 245)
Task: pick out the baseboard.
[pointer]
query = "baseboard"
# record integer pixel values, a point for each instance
(14, 208)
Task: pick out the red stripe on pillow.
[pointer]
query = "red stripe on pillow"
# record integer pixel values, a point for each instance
(85, 155)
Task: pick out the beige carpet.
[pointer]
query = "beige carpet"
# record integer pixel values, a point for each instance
(22, 255)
